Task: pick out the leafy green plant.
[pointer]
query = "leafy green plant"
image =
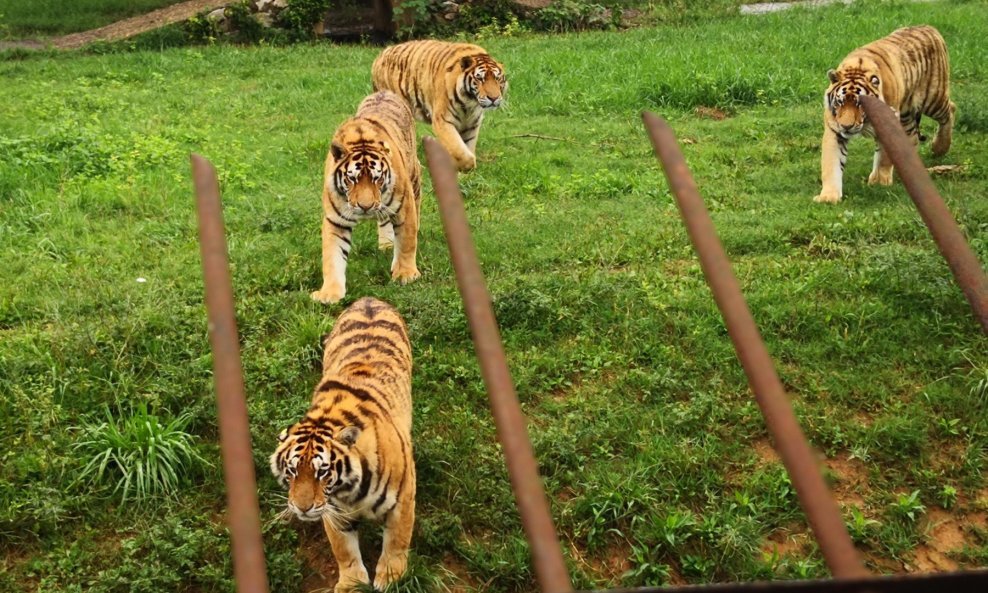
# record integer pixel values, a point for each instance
(859, 526)
(908, 506)
(142, 454)
(947, 496)
(646, 569)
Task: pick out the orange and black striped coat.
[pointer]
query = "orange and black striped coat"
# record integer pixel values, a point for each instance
(350, 456)
(448, 85)
(909, 70)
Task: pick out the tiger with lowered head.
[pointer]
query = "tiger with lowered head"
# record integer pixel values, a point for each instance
(910, 72)
(350, 456)
(448, 85)
(372, 172)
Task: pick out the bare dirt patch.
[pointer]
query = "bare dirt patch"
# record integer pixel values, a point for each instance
(850, 480)
(321, 570)
(711, 113)
(786, 542)
(765, 452)
(125, 28)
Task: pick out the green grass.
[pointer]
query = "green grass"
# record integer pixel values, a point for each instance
(23, 18)
(648, 438)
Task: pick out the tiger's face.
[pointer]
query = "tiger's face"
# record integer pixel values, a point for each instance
(843, 97)
(363, 176)
(484, 80)
(315, 464)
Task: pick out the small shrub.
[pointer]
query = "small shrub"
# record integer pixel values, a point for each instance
(146, 455)
(300, 17)
(573, 15)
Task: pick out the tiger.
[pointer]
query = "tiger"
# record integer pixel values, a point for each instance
(447, 85)
(350, 456)
(909, 71)
(372, 171)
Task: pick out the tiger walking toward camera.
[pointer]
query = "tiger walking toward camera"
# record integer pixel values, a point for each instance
(350, 456)
(909, 71)
(372, 172)
(448, 85)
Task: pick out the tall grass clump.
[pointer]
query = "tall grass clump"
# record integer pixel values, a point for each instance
(145, 455)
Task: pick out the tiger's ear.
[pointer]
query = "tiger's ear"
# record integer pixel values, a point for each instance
(282, 436)
(833, 75)
(336, 150)
(348, 436)
(466, 62)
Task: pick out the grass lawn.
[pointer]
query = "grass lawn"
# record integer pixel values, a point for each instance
(23, 18)
(654, 454)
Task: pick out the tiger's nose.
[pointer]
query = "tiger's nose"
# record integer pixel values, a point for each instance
(304, 507)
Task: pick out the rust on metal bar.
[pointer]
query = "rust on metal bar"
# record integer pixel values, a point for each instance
(238, 462)
(797, 457)
(547, 556)
(948, 236)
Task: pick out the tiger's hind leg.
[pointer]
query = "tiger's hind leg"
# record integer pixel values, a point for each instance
(385, 235)
(881, 170)
(945, 129)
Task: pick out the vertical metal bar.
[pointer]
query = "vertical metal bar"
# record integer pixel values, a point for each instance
(238, 462)
(796, 455)
(547, 556)
(948, 236)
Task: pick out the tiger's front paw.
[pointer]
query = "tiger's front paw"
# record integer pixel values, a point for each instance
(827, 196)
(385, 245)
(349, 580)
(328, 295)
(405, 275)
(880, 177)
(466, 163)
(389, 571)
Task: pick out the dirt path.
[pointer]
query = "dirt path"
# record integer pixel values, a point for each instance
(125, 28)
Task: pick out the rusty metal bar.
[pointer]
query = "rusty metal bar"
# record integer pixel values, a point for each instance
(948, 236)
(238, 462)
(797, 457)
(547, 556)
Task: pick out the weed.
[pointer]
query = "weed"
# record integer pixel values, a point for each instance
(859, 526)
(145, 455)
(947, 496)
(907, 506)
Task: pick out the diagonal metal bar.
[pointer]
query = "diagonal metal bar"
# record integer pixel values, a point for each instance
(796, 455)
(238, 462)
(948, 236)
(547, 556)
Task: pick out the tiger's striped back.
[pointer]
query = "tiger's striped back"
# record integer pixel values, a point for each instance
(369, 346)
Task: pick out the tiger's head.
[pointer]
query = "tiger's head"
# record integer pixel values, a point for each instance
(315, 462)
(362, 175)
(843, 97)
(484, 80)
